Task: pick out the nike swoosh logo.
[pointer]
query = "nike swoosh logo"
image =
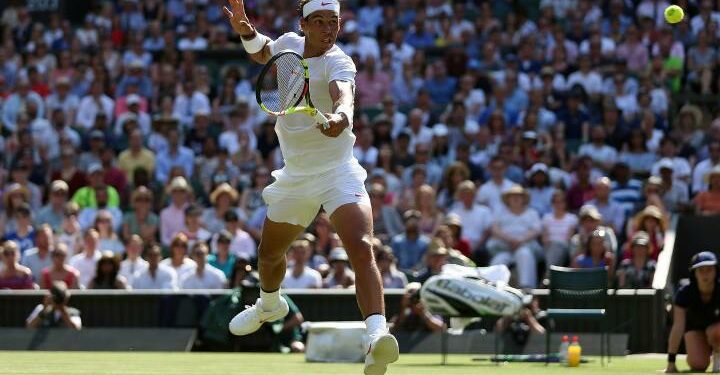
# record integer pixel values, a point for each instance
(324, 4)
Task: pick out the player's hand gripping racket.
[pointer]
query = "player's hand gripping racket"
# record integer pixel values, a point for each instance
(282, 85)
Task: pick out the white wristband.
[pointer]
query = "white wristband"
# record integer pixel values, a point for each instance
(255, 44)
(347, 110)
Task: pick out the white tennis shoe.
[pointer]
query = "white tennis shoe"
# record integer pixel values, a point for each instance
(382, 350)
(253, 317)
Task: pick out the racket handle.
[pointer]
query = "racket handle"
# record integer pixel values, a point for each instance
(321, 119)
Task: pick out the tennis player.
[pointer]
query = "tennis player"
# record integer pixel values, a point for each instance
(319, 171)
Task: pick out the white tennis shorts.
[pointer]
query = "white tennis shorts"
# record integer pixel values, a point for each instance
(297, 199)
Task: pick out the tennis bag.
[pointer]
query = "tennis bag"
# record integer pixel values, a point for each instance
(470, 292)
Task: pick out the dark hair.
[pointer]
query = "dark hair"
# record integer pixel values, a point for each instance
(103, 280)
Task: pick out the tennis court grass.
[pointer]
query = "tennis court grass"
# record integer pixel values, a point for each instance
(97, 363)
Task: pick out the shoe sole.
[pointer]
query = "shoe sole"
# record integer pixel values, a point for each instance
(384, 352)
(247, 331)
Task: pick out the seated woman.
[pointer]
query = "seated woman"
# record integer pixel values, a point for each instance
(59, 270)
(596, 254)
(638, 271)
(108, 239)
(514, 236)
(694, 316)
(13, 275)
(708, 202)
(107, 273)
(653, 222)
(558, 226)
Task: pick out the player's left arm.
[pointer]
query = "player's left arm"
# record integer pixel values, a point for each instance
(342, 94)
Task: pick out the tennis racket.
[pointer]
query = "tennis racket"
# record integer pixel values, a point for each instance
(283, 83)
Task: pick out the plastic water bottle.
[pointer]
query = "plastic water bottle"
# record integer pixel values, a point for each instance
(574, 353)
(563, 351)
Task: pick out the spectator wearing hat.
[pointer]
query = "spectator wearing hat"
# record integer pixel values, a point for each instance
(224, 199)
(340, 275)
(133, 262)
(386, 220)
(392, 278)
(409, 247)
(695, 317)
(174, 155)
(61, 98)
(540, 188)
(221, 258)
(52, 213)
(14, 196)
(653, 221)
(490, 193)
(157, 275)
(13, 275)
(92, 104)
(24, 233)
(675, 193)
(358, 44)
(38, 257)
(514, 235)
(476, 219)
(638, 271)
(699, 175)
(194, 230)
(136, 156)
(612, 213)
(204, 275)
(20, 171)
(708, 202)
(435, 258)
(298, 274)
(172, 217)
(141, 220)
(590, 220)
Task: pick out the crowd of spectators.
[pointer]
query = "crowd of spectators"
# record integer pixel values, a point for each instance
(527, 133)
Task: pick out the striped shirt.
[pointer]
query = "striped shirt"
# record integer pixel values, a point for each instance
(627, 195)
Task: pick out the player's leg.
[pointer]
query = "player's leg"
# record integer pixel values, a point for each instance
(353, 223)
(698, 350)
(713, 337)
(275, 239)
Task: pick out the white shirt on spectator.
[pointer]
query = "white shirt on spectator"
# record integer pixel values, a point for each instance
(185, 107)
(164, 278)
(31, 259)
(367, 158)
(559, 230)
(681, 168)
(607, 46)
(518, 226)
(69, 104)
(591, 82)
(309, 278)
(85, 265)
(364, 47)
(129, 268)
(603, 154)
(475, 221)
(188, 265)
(701, 170)
(399, 55)
(88, 109)
(697, 23)
(490, 194)
(186, 44)
(211, 278)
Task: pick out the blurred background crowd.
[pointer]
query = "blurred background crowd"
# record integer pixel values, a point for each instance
(525, 132)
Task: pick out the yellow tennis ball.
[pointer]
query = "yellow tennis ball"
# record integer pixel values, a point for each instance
(674, 14)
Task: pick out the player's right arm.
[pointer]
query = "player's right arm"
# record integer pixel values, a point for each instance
(241, 24)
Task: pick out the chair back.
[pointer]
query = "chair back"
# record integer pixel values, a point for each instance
(574, 284)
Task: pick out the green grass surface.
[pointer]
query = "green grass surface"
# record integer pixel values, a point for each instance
(96, 363)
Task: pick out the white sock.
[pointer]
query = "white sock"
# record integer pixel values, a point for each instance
(716, 362)
(376, 324)
(269, 301)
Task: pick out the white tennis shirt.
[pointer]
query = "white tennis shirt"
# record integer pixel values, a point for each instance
(305, 149)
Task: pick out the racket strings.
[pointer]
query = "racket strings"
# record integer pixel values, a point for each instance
(288, 86)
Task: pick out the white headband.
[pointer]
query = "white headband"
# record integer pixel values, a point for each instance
(316, 5)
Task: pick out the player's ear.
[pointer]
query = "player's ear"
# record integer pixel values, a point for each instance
(303, 22)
